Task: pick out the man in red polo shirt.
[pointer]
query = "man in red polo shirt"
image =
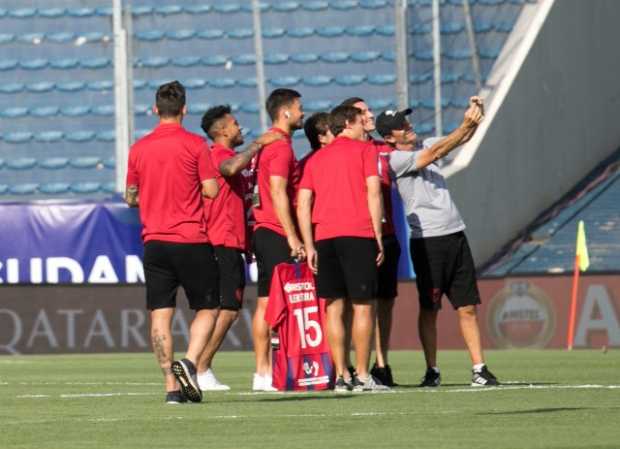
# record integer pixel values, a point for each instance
(340, 203)
(168, 174)
(275, 238)
(388, 271)
(227, 226)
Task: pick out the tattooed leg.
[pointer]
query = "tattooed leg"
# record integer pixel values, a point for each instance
(161, 339)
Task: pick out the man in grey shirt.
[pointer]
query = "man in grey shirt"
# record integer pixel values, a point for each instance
(440, 253)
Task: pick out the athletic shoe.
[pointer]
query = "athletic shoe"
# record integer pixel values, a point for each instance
(262, 383)
(352, 372)
(208, 382)
(342, 386)
(383, 374)
(431, 378)
(185, 372)
(371, 384)
(483, 378)
(175, 397)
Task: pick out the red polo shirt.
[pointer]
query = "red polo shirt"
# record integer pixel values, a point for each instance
(276, 159)
(383, 153)
(337, 176)
(168, 166)
(226, 213)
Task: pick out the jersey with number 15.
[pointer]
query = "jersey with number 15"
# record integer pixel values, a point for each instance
(303, 361)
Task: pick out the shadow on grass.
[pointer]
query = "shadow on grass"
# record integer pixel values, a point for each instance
(462, 385)
(538, 410)
(293, 397)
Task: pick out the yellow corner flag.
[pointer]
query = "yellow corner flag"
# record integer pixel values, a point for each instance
(582, 248)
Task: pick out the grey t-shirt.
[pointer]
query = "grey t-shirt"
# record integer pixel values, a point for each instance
(428, 205)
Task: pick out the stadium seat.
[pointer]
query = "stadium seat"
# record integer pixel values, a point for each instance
(457, 54)
(222, 83)
(198, 108)
(247, 82)
(44, 111)
(154, 62)
(249, 108)
(489, 53)
(240, 33)
(106, 136)
(30, 38)
(388, 56)
(104, 11)
(318, 105)
(142, 109)
(424, 128)
(167, 10)
(344, 5)
(64, 63)
(385, 30)
(61, 37)
(1, 162)
(23, 13)
(373, 4)
(424, 55)
(70, 86)
(23, 189)
(450, 77)
(85, 187)
(285, 6)
(14, 112)
(54, 163)
(51, 13)
(108, 187)
(17, 137)
(141, 10)
(197, 9)
(285, 81)
(40, 87)
(300, 32)
(106, 110)
(211, 34)
(381, 80)
(419, 78)
(5, 38)
(451, 27)
(186, 61)
(95, 63)
(102, 85)
(273, 33)
(460, 103)
(365, 56)
(317, 80)
(180, 35)
(421, 29)
(34, 64)
(214, 60)
(330, 31)
(380, 104)
(80, 12)
(304, 58)
(8, 64)
(504, 26)
(109, 162)
(360, 30)
(75, 111)
(227, 8)
(140, 133)
(93, 36)
(21, 163)
(315, 5)
(483, 26)
(49, 136)
(335, 57)
(11, 88)
(350, 80)
(195, 83)
(244, 59)
(80, 136)
(54, 188)
(149, 35)
(85, 162)
(275, 58)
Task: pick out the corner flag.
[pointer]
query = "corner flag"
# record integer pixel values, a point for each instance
(582, 262)
(582, 248)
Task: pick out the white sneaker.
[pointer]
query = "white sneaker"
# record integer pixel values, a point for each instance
(262, 383)
(208, 382)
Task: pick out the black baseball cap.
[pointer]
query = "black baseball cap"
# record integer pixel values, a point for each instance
(389, 121)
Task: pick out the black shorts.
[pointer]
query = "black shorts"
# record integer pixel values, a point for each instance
(168, 265)
(444, 265)
(232, 276)
(347, 268)
(388, 270)
(270, 249)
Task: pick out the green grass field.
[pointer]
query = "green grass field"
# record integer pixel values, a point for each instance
(551, 399)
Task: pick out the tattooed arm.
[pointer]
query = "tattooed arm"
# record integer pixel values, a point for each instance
(131, 196)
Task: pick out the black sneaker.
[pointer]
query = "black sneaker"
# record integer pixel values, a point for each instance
(175, 397)
(483, 378)
(352, 372)
(431, 379)
(341, 386)
(384, 374)
(185, 372)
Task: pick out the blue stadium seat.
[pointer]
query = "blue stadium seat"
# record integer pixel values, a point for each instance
(221, 83)
(180, 35)
(263, 7)
(23, 13)
(273, 33)
(17, 137)
(93, 36)
(450, 77)
(81, 12)
(304, 58)
(14, 112)
(61, 37)
(95, 63)
(80, 136)
(140, 133)
(489, 53)
(424, 128)
(365, 56)
(482, 26)
(388, 56)
(149, 35)
(49, 136)
(34, 64)
(285, 6)
(285, 81)
(154, 62)
(249, 108)
(104, 11)
(315, 5)
(167, 10)
(214, 60)
(344, 5)
(1, 163)
(106, 110)
(318, 105)
(244, 59)
(108, 187)
(21, 163)
(350, 80)
(23, 189)
(40, 87)
(373, 4)
(360, 30)
(330, 31)
(186, 61)
(504, 26)
(275, 58)
(85, 187)
(30, 38)
(197, 108)
(64, 63)
(71, 86)
(424, 55)
(85, 162)
(101, 85)
(141, 109)
(5, 38)
(44, 111)
(419, 78)
(75, 111)
(317, 80)
(211, 34)
(51, 13)
(109, 162)
(54, 163)
(300, 32)
(8, 64)
(240, 33)
(335, 57)
(382, 79)
(421, 29)
(139, 84)
(54, 188)
(141, 10)
(451, 27)
(195, 83)
(227, 8)
(460, 103)
(11, 88)
(197, 9)
(247, 82)
(380, 104)
(106, 136)
(3, 12)
(385, 30)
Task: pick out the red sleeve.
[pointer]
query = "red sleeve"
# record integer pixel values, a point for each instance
(371, 161)
(132, 171)
(307, 181)
(281, 159)
(276, 305)
(205, 165)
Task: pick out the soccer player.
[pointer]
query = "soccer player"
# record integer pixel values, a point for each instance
(227, 226)
(316, 128)
(388, 271)
(339, 206)
(275, 238)
(439, 249)
(168, 174)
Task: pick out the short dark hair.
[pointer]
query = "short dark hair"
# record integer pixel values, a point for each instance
(213, 115)
(316, 125)
(170, 99)
(340, 115)
(278, 99)
(351, 101)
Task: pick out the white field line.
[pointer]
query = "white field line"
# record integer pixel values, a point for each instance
(97, 384)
